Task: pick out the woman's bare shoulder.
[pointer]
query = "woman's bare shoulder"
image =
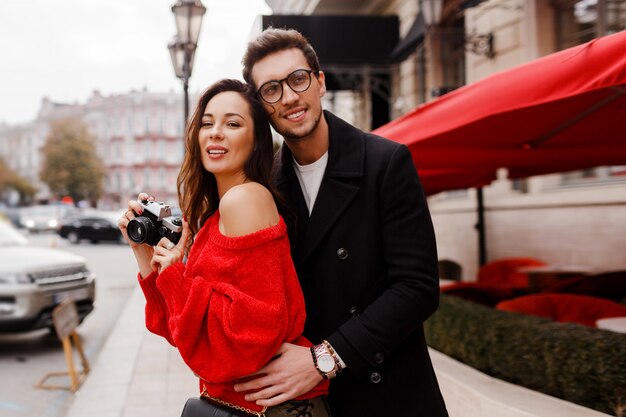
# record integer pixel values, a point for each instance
(247, 208)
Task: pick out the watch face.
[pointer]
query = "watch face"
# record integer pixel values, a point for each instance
(326, 363)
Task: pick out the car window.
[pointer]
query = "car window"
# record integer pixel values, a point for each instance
(9, 236)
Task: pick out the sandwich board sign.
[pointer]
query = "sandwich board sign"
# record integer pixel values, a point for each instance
(65, 320)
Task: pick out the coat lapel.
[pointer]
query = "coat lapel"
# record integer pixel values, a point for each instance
(345, 161)
(288, 184)
(346, 158)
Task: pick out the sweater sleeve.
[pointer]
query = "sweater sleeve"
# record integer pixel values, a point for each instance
(228, 327)
(157, 316)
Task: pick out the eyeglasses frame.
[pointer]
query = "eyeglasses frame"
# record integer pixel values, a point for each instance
(280, 82)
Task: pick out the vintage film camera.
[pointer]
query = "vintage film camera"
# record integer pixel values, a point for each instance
(154, 223)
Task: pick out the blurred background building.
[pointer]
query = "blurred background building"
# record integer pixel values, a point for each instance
(383, 58)
(569, 218)
(138, 138)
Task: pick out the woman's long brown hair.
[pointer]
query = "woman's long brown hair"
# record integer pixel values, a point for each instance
(197, 188)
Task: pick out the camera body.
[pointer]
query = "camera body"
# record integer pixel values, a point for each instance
(154, 223)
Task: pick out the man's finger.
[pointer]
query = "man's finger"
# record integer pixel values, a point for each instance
(264, 394)
(254, 384)
(279, 399)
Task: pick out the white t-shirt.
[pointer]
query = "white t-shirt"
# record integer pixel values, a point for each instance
(310, 178)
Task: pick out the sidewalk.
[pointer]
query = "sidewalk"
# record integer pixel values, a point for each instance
(139, 374)
(136, 374)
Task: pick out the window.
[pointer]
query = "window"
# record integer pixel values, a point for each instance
(146, 178)
(130, 150)
(162, 178)
(579, 21)
(147, 149)
(161, 150)
(453, 53)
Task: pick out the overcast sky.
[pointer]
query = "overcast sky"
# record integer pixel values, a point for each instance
(65, 49)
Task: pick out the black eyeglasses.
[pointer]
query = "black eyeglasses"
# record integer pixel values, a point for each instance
(299, 81)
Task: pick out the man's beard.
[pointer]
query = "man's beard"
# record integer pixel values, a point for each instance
(293, 136)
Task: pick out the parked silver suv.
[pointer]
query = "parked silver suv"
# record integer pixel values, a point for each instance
(33, 280)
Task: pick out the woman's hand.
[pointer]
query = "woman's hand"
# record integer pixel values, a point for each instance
(134, 209)
(167, 253)
(143, 253)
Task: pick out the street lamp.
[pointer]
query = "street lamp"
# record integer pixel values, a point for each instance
(432, 11)
(188, 15)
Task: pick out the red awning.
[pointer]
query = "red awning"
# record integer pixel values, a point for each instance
(562, 112)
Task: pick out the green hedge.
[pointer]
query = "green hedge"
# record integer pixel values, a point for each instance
(579, 364)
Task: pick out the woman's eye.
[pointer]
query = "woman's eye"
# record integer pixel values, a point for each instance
(232, 124)
(206, 124)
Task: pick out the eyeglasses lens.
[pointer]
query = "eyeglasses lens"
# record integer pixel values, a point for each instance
(299, 81)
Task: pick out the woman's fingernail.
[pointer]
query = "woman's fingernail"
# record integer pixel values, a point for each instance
(184, 218)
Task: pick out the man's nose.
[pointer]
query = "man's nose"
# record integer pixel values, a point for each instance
(289, 96)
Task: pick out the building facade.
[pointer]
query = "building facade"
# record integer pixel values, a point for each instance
(574, 218)
(138, 138)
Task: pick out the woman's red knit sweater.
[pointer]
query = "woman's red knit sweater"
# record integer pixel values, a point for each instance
(230, 307)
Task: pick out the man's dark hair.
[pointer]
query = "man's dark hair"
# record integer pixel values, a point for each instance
(273, 40)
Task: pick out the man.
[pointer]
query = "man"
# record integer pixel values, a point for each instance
(363, 246)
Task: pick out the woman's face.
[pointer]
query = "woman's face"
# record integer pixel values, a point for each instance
(226, 134)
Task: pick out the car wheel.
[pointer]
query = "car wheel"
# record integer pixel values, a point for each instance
(53, 331)
(73, 237)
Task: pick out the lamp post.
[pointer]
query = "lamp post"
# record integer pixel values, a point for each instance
(188, 15)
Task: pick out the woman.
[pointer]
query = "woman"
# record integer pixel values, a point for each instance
(237, 298)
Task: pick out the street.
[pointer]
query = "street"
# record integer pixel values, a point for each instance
(26, 358)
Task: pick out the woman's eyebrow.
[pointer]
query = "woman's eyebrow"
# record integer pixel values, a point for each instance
(226, 115)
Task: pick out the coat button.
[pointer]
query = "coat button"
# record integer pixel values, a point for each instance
(375, 377)
(342, 253)
(354, 311)
(379, 358)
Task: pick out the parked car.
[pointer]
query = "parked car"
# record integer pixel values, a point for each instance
(95, 227)
(10, 213)
(44, 218)
(33, 280)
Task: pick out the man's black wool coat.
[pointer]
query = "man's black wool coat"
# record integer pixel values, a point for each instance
(367, 262)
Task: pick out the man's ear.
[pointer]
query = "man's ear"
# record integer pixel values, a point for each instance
(321, 79)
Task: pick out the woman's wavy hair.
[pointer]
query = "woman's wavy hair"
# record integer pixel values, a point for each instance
(197, 188)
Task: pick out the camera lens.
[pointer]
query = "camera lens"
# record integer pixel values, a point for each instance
(140, 229)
